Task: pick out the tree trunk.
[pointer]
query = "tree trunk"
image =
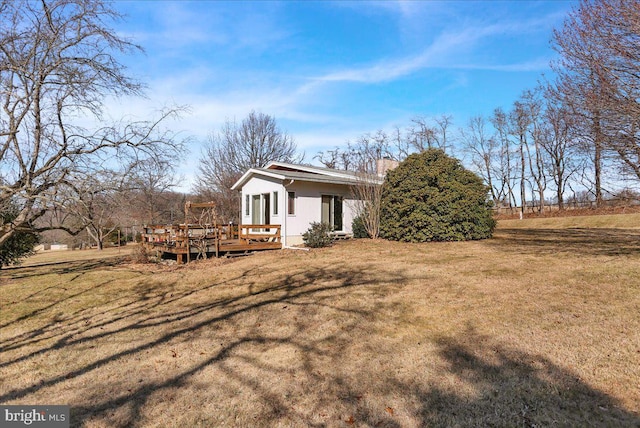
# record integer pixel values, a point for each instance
(597, 160)
(523, 198)
(560, 183)
(510, 185)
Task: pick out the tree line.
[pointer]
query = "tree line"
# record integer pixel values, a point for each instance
(574, 136)
(58, 64)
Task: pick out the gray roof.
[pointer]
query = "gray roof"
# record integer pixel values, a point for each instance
(308, 176)
(308, 173)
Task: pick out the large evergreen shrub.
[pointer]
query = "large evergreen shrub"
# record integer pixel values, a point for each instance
(432, 197)
(20, 244)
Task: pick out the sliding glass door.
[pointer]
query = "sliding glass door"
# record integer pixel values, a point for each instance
(332, 211)
(260, 210)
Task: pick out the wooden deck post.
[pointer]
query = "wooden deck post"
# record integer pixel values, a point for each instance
(186, 231)
(218, 235)
(187, 206)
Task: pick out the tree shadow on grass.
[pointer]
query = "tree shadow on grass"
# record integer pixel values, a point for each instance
(285, 349)
(601, 241)
(480, 382)
(59, 268)
(312, 287)
(509, 387)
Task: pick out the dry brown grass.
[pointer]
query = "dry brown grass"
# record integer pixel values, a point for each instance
(616, 221)
(535, 327)
(59, 257)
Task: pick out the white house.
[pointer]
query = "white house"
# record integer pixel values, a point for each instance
(294, 196)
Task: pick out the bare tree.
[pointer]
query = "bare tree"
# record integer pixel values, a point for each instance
(532, 102)
(237, 147)
(367, 193)
(443, 123)
(401, 144)
(617, 32)
(94, 202)
(150, 190)
(599, 45)
(363, 154)
(483, 150)
(366, 156)
(330, 158)
(559, 142)
(422, 134)
(427, 133)
(519, 121)
(57, 63)
(368, 149)
(507, 164)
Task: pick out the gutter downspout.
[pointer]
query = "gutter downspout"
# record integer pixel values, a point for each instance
(284, 247)
(285, 213)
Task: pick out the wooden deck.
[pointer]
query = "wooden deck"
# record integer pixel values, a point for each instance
(191, 242)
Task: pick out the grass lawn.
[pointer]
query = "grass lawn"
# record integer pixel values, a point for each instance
(538, 326)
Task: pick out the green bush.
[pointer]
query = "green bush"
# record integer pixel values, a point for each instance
(357, 226)
(432, 197)
(20, 244)
(318, 235)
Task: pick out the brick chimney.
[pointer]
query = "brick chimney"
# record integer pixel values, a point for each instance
(385, 164)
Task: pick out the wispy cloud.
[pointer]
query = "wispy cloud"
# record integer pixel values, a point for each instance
(539, 64)
(444, 52)
(189, 25)
(401, 8)
(326, 79)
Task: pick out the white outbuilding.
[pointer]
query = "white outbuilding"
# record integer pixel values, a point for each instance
(294, 196)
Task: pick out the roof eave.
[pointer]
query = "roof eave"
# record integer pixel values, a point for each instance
(310, 169)
(254, 171)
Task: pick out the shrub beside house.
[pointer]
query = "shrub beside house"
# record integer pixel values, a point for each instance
(432, 197)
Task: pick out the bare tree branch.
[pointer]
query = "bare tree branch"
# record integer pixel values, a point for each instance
(253, 143)
(57, 63)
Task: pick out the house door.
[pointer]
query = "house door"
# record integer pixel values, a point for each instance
(260, 209)
(332, 211)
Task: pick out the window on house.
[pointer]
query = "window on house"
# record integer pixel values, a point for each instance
(332, 211)
(256, 211)
(274, 202)
(291, 203)
(246, 205)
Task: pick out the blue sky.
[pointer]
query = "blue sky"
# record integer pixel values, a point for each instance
(332, 71)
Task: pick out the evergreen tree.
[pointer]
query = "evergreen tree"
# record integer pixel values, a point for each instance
(20, 244)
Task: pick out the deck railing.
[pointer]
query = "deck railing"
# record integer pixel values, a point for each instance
(260, 232)
(186, 239)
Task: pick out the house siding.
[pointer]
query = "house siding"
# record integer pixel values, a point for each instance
(260, 186)
(309, 208)
(308, 204)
